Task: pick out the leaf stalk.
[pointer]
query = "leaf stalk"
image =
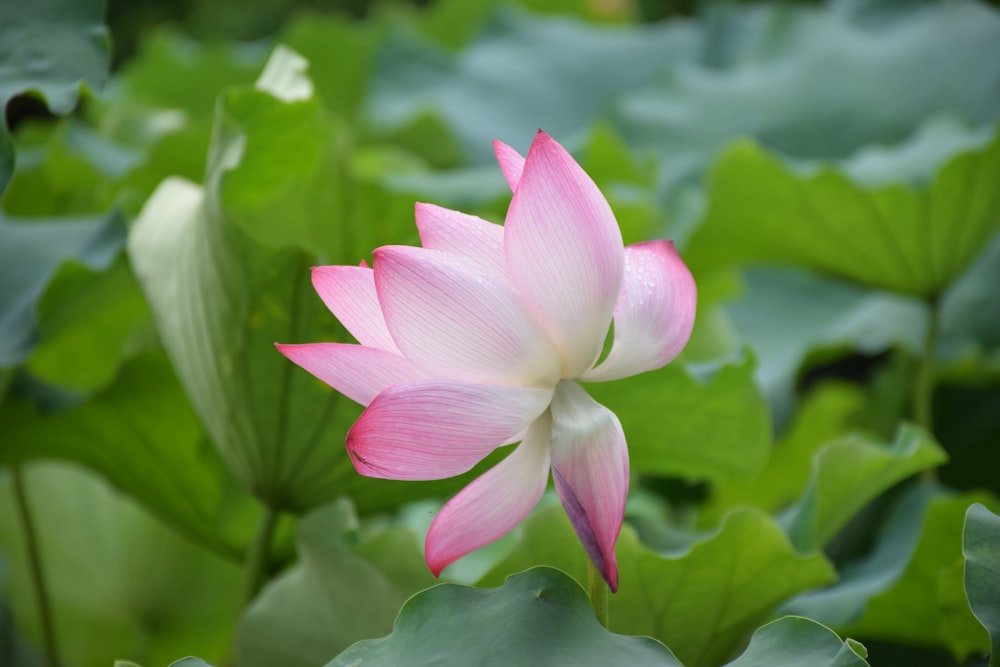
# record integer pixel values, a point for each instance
(35, 568)
(597, 589)
(259, 554)
(923, 388)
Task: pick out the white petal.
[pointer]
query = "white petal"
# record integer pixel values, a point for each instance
(590, 470)
(437, 429)
(360, 373)
(654, 315)
(457, 318)
(493, 504)
(349, 293)
(564, 252)
(511, 163)
(461, 234)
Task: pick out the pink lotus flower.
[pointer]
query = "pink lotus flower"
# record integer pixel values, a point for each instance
(479, 339)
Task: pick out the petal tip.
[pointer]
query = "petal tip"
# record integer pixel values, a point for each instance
(610, 573)
(435, 562)
(361, 465)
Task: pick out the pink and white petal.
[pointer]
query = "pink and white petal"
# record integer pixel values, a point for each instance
(590, 471)
(655, 312)
(494, 503)
(461, 319)
(564, 252)
(358, 372)
(349, 293)
(461, 234)
(511, 163)
(434, 429)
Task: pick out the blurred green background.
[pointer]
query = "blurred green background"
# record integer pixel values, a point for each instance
(829, 172)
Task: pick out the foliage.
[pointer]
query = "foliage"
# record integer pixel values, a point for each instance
(816, 465)
(982, 574)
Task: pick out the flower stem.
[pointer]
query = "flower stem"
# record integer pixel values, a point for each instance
(598, 591)
(923, 387)
(255, 573)
(35, 569)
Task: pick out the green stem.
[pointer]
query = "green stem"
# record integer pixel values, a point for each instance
(598, 591)
(35, 569)
(255, 573)
(923, 388)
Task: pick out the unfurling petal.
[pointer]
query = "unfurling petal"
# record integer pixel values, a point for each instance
(458, 318)
(461, 234)
(349, 293)
(511, 163)
(590, 470)
(437, 429)
(654, 315)
(493, 504)
(564, 252)
(360, 373)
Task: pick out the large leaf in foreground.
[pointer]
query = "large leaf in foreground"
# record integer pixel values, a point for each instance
(897, 236)
(122, 585)
(335, 595)
(49, 47)
(981, 548)
(539, 617)
(702, 603)
(793, 642)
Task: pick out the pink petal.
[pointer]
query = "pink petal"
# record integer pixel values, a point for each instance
(349, 293)
(358, 372)
(461, 234)
(564, 252)
(511, 163)
(436, 429)
(590, 470)
(493, 504)
(457, 318)
(654, 315)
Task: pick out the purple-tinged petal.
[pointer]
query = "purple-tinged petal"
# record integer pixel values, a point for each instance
(564, 252)
(461, 319)
(590, 471)
(654, 315)
(436, 429)
(360, 373)
(511, 163)
(349, 293)
(461, 234)
(494, 503)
